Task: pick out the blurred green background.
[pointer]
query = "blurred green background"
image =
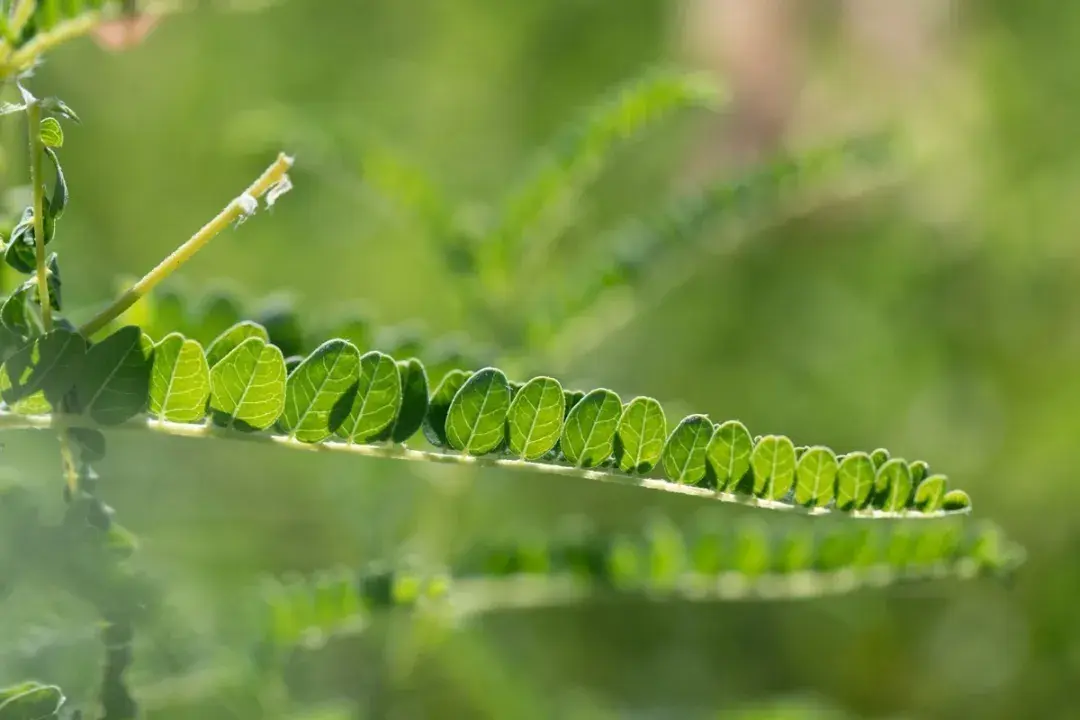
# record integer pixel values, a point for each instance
(937, 314)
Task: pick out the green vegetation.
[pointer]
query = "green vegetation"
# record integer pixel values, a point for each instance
(271, 423)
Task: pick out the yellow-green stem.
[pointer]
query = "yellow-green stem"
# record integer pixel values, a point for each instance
(33, 122)
(235, 210)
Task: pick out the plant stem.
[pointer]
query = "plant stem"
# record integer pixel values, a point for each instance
(33, 122)
(235, 210)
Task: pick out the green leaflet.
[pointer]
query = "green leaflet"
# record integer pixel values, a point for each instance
(684, 453)
(31, 701)
(36, 377)
(230, 339)
(920, 470)
(377, 400)
(414, 402)
(179, 380)
(52, 135)
(114, 384)
(535, 419)
(639, 439)
(728, 454)
(854, 481)
(880, 457)
(439, 406)
(956, 500)
(773, 463)
(589, 434)
(930, 493)
(893, 486)
(248, 385)
(320, 391)
(815, 477)
(476, 421)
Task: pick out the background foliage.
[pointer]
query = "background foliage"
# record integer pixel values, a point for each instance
(935, 314)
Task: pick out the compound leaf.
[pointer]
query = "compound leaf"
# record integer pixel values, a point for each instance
(640, 435)
(773, 462)
(728, 453)
(815, 477)
(589, 434)
(114, 384)
(377, 399)
(535, 419)
(855, 481)
(230, 339)
(476, 421)
(319, 392)
(248, 384)
(179, 380)
(35, 378)
(684, 453)
(439, 406)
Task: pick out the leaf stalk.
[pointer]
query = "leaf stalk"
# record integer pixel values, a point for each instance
(241, 206)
